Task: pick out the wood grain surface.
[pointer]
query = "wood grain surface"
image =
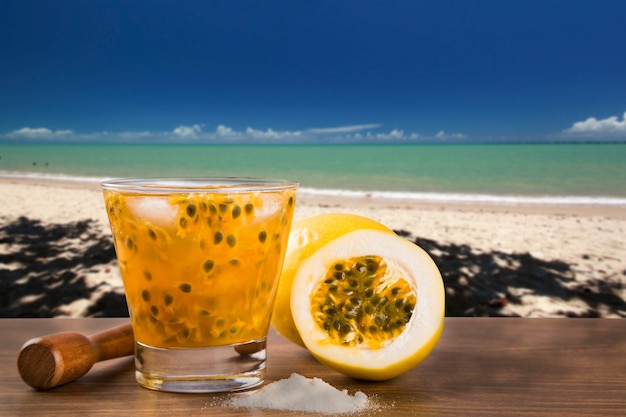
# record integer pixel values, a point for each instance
(481, 367)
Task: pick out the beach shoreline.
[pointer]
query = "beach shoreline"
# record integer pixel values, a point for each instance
(497, 259)
(617, 211)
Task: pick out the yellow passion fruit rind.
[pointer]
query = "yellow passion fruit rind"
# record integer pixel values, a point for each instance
(368, 304)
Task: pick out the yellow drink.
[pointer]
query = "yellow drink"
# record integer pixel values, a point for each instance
(201, 265)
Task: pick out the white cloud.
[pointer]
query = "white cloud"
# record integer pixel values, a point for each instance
(610, 125)
(272, 134)
(395, 134)
(38, 133)
(222, 130)
(445, 136)
(343, 129)
(133, 135)
(399, 136)
(353, 134)
(188, 132)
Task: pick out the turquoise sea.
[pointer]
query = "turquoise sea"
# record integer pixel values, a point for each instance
(532, 173)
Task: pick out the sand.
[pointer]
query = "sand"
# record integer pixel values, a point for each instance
(57, 259)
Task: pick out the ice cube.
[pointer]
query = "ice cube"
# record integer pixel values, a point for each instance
(271, 205)
(155, 210)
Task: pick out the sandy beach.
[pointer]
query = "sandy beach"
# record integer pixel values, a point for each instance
(57, 257)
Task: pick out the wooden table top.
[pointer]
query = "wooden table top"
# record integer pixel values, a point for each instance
(481, 367)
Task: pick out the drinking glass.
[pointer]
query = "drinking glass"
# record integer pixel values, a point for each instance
(200, 259)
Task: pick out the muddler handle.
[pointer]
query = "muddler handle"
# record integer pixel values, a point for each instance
(49, 361)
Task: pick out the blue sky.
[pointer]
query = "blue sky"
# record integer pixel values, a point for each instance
(325, 71)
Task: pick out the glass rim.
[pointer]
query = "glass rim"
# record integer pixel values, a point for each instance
(168, 185)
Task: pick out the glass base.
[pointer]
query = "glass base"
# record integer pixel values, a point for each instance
(209, 369)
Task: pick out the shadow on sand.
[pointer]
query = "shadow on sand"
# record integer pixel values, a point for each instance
(484, 283)
(43, 267)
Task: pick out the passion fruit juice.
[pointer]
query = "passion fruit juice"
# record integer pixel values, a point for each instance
(200, 269)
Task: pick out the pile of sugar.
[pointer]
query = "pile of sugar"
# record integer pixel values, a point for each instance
(298, 393)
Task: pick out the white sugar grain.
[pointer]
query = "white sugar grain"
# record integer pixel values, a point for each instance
(298, 393)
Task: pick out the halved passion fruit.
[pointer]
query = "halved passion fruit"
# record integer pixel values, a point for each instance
(368, 303)
(306, 237)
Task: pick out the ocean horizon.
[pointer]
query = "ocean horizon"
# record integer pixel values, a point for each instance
(561, 174)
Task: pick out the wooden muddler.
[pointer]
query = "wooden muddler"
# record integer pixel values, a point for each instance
(49, 361)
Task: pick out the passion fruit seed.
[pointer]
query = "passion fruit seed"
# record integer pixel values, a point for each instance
(208, 265)
(218, 237)
(231, 240)
(262, 236)
(168, 299)
(185, 287)
(236, 212)
(185, 332)
(359, 303)
(191, 210)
